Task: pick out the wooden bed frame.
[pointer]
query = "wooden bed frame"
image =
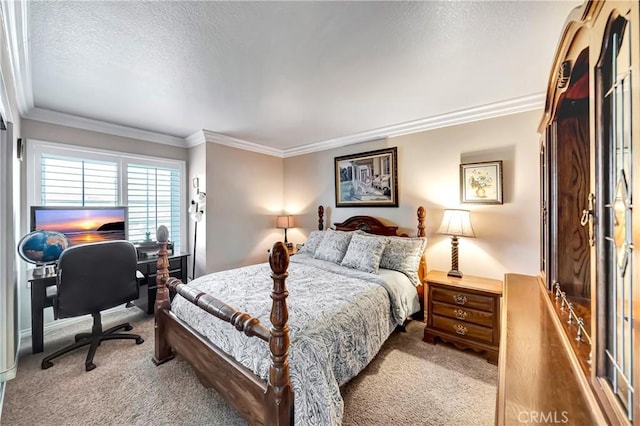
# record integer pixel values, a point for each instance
(257, 401)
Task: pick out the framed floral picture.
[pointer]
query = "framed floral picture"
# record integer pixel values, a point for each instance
(481, 183)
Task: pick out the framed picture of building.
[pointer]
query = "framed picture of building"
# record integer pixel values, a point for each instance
(367, 179)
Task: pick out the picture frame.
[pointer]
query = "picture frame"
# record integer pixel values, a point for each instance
(367, 179)
(481, 183)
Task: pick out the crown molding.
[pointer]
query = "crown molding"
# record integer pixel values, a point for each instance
(221, 139)
(196, 138)
(70, 120)
(15, 19)
(483, 112)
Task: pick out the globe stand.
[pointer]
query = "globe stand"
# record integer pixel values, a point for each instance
(44, 270)
(43, 249)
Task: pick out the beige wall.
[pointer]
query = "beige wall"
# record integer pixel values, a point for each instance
(246, 190)
(428, 175)
(244, 195)
(39, 130)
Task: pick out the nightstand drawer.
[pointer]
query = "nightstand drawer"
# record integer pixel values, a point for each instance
(460, 298)
(463, 313)
(463, 329)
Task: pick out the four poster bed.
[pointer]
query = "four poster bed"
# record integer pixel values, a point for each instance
(334, 323)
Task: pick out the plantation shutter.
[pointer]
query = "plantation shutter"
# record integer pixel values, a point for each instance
(68, 181)
(153, 197)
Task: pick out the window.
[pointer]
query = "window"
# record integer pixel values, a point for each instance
(61, 175)
(153, 197)
(78, 182)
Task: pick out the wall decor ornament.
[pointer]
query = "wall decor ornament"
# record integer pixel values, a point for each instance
(481, 183)
(367, 179)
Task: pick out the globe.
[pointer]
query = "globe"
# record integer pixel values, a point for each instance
(42, 247)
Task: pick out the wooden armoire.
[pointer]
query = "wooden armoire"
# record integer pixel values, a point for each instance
(590, 267)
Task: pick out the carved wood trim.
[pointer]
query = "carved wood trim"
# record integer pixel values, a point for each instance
(367, 224)
(421, 215)
(422, 268)
(240, 320)
(320, 218)
(162, 348)
(279, 390)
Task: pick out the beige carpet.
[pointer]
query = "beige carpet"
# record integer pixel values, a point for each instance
(409, 383)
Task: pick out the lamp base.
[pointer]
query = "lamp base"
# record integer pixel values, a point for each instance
(454, 273)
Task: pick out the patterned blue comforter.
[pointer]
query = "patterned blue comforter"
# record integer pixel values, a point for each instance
(338, 318)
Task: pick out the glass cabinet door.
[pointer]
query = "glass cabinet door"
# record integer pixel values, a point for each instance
(615, 352)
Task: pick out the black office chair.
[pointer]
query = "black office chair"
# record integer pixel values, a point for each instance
(91, 278)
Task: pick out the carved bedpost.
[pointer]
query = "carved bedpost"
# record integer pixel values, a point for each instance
(422, 267)
(163, 351)
(421, 216)
(279, 398)
(320, 218)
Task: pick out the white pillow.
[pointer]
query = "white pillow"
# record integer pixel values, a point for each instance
(403, 254)
(333, 246)
(364, 253)
(312, 243)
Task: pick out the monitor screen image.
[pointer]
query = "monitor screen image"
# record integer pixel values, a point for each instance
(82, 224)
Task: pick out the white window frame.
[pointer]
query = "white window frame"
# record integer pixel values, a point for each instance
(35, 149)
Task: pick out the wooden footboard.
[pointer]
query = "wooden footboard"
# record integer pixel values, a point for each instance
(259, 402)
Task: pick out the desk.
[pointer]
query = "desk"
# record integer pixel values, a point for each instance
(39, 299)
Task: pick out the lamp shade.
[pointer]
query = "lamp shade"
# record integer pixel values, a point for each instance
(457, 223)
(284, 222)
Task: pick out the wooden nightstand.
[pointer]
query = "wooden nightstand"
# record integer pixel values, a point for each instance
(464, 311)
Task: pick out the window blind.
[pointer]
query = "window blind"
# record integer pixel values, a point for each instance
(153, 197)
(78, 182)
(150, 187)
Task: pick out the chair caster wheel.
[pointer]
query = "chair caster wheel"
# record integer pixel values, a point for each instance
(139, 340)
(46, 364)
(90, 366)
(128, 328)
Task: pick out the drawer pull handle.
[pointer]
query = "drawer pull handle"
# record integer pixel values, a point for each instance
(460, 299)
(460, 329)
(460, 314)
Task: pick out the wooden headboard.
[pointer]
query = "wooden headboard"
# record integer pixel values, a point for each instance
(367, 224)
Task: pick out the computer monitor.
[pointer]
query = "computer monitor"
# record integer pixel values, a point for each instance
(82, 224)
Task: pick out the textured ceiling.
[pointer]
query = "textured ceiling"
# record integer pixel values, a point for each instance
(286, 74)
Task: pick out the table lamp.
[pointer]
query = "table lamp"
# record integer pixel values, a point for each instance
(284, 222)
(456, 223)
